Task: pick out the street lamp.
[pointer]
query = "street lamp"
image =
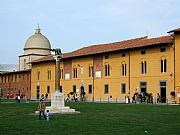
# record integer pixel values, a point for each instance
(57, 57)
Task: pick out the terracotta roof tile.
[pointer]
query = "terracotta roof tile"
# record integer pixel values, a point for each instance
(45, 58)
(175, 30)
(103, 48)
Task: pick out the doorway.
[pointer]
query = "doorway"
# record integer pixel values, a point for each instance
(163, 91)
(37, 91)
(82, 93)
(143, 87)
(19, 92)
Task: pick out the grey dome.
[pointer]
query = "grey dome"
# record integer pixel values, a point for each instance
(37, 42)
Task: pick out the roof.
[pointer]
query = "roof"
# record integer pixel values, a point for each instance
(18, 71)
(8, 67)
(110, 47)
(175, 30)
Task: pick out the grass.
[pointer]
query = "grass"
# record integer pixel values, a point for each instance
(94, 119)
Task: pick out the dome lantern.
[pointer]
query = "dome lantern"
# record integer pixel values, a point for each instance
(38, 30)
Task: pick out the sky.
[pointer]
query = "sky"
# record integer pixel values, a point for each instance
(73, 24)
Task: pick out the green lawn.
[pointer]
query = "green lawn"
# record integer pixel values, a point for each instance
(94, 119)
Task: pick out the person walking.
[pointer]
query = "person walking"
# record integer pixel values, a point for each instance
(41, 109)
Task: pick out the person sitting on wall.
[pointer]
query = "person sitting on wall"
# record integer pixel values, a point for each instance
(18, 99)
(67, 98)
(75, 98)
(42, 96)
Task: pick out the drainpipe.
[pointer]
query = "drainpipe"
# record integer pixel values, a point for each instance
(93, 78)
(174, 70)
(129, 75)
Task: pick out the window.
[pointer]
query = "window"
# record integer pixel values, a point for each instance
(38, 75)
(75, 72)
(49, 74)
(123, 88)
(123, 54)
(22, 89)
(26, 89)
(163, 65)
(143, 67)
(15, 78)
(74, 88)
(90, 71)
(107, 70)
(8, 79)
(106, 56)
(61, 73)
(162, 49)
(24, 63)
(60, 88)
(123, 69)
(27, 77)
(90, 88)
(143, 86)
(106, 88)
(48, 89)
(143, 52)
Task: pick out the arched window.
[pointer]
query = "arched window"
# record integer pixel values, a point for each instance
(123, 69)
(163, 65)
(90, 71)
(75, 72)
(107, 69)
(49, 74)
(24, 63)
(143, 67)
(38, 75)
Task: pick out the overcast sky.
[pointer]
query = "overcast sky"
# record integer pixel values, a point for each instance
(72, 24)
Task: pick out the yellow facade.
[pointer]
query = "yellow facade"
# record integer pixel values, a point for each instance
(42, 76)
(153, 81)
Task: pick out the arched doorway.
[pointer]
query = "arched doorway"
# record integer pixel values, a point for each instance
(82, 93)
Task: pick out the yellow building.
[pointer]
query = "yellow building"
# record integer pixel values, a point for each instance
(109, 72)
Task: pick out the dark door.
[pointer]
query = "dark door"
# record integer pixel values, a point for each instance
(19, 92)
(82, 93)
(37, 92)
(143, 87)
(163, 91)
(82, 89)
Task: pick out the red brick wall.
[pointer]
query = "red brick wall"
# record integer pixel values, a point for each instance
(11, 88)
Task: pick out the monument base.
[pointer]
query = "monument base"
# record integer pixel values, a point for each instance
(61, 110)
(57, 105)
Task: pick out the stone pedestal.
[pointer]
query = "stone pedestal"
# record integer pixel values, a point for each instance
(57, 104)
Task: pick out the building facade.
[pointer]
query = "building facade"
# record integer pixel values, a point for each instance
(109, 72)
(16, 83)
(36, 47)
(105, 72)
(13, 83)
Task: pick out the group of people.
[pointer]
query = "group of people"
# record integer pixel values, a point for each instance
(68, 99)
(142, 97)
(75, 97)
(18, 98)
(44, 97)
(41, 109)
